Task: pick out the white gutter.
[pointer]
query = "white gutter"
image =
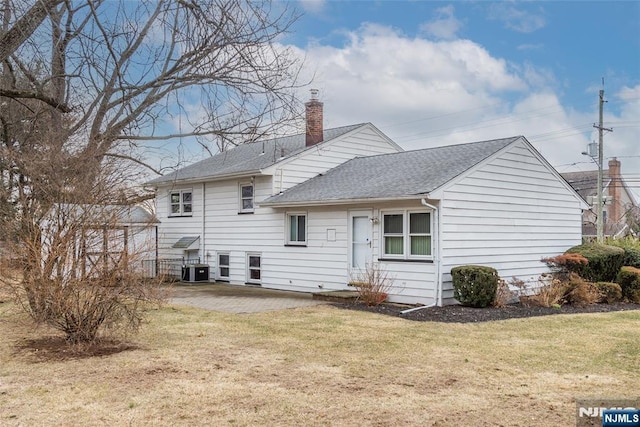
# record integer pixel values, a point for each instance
(185, 181)
(438, 258)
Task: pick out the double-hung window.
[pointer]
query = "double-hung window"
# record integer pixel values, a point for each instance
(254, 268)
(296, 229)
(223, 266)
(246, 198)
(180, 203)
(406, 235)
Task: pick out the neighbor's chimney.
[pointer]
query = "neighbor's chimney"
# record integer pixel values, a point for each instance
(615, 190)
(314, 120)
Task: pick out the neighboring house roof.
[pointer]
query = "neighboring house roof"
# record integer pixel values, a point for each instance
(389, 176)
(586, 183)
(249, 158)
(122, 214)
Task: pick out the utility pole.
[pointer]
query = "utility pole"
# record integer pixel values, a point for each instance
(601, 129)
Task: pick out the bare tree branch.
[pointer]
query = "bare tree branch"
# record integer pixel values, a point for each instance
(25, 26)
(24, 94)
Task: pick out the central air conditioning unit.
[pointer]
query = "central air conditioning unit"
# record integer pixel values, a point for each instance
(195, 273)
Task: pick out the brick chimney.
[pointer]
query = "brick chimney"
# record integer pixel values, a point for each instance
(615, 190)
(314, 119)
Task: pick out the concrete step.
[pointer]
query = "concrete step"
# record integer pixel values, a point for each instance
(336, 296)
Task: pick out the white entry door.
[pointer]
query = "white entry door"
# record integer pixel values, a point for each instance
(361, 245)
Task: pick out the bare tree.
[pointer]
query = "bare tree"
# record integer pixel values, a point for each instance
(99, 83)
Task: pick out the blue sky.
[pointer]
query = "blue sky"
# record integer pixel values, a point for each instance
(431, 73)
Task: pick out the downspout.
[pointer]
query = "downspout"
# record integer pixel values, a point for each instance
(203, 244)
(437, 263)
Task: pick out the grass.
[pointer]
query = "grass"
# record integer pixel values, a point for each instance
(323, 366)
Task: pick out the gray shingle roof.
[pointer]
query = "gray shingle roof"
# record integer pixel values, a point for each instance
(396, 175)
(247, 158)
(586, 182)
(121, 214)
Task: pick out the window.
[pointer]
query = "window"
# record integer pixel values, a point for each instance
(407, 235)
(393, 234)
(254, 272)
(246, 198)
(420, 234)
(223, 266)
(181, 203)
(296, 229)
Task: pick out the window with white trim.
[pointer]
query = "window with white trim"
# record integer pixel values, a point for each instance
(296, 228)
(246, 198)
(223, 265)
(254, 268)
(181, 203)
(407, 235)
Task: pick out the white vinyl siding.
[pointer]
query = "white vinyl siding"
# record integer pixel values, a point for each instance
(508, 214)
(173, 228)
(365, 142)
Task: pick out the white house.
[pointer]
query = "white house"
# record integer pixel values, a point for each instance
(303, 212)
(85, 240)
(619, 202)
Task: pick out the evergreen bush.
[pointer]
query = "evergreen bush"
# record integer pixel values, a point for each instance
(609, 292)
(604, 261)
(475, 285)
(629, 280)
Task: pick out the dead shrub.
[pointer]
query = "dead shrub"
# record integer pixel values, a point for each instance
(562, 265)
(372, 284)
(580, 292)
(504, 295)
(550, 294)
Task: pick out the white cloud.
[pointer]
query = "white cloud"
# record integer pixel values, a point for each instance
(516, 19)
(445, 25)
(424, 93)
(313, 6)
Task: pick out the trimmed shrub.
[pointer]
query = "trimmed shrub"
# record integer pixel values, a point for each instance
(632, 257)
(629, 280)
(631, 247)
(475, 285)
(604, 262)
(609, 292)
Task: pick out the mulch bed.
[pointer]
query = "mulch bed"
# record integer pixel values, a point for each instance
(461, 314)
